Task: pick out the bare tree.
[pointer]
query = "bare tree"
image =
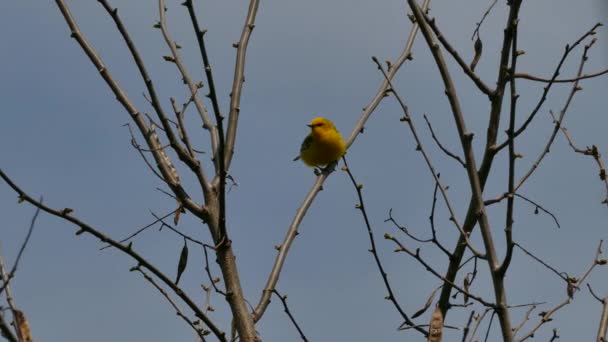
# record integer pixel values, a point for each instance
(158, 138)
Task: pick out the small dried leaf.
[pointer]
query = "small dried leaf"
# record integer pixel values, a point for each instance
(183, 261)
(478, 50)
(23, 326)
(436, 326)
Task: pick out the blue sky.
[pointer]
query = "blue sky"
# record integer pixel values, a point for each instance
(62, 137)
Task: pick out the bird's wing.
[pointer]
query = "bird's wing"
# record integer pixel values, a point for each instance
(306, 143)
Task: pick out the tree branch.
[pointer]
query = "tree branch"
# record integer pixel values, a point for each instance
(65, 214)
(292, 230)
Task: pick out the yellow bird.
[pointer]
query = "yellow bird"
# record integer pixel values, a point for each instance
(324, 144)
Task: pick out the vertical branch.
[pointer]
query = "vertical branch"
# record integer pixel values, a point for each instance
(221, 170)
(603, 325)
(512, 157)
(488, 157)
(237, 83)
(192, 87)
(466, 139)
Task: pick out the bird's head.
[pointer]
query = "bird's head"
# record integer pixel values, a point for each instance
(321, 125)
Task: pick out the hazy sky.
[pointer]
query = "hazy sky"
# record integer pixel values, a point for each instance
(62, 137)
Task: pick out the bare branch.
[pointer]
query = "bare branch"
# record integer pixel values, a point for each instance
(292, 231)
(538, 206)
(200, 332)
(237, 83)
(466, 138)
(121, 96)
(563, 111)
(361, 206)
(288, 312)
(512, 157)
(192, 87)
(445, 150)
(6, 278)
(465, 331)
(592, 151)
(573, 285)
(419, 147)
(189, 160)
(465, 68)
(569, 48)
(563, 80)
(128, 250)
(485, 15)
(416, 255)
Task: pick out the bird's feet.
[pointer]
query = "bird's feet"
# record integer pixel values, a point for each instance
(325, 170)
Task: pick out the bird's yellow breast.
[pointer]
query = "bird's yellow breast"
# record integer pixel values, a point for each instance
(324, 148)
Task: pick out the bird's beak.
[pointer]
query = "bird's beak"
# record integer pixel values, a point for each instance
(309, 126)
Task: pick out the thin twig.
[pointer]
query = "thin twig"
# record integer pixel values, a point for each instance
(524, 320)
(489, 326)
(539, 207)
(569, 48)
(476, 32)
(452, 51)
(465, 331)
(479, 319)
(445, 150)
(6, 279)
(419, 147)
(563, 112)
(525, 76)
(592, 151)
(208, 271)
(427, 266)
(125, 101)
(288, 312)
(192, 87)
(404, 228)
(573, 285)
(200, 332)
(141, 229)
(361, 206)
(562, 275)
(189, 160)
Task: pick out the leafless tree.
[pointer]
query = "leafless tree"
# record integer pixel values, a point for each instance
(167, 132)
